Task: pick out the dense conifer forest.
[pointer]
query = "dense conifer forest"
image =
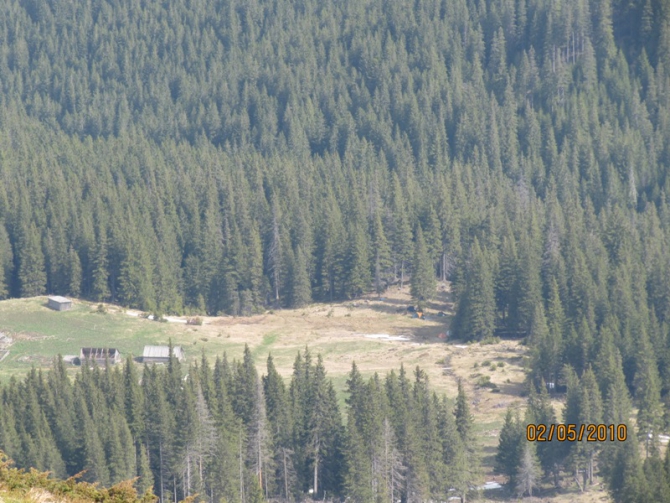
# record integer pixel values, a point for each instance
(225, 156)
(226, 434)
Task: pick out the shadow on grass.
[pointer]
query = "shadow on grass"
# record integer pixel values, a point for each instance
(427, 334)
(512, 389)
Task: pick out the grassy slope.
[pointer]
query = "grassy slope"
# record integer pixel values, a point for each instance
(337, 332)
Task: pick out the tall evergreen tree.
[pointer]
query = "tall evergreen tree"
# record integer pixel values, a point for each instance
(423, 274)
(31, 271)
(476, 306)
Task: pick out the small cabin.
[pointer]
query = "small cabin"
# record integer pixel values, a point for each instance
(58, 303)
(100, 355)
(161, 354)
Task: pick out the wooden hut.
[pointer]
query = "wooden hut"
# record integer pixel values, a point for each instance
(100, 355)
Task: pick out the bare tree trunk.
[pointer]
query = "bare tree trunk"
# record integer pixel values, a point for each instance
(386, 461)
(260, 463)
(160, 462)
(316, 469)
(242, 497)
(285, 473)
(377, 275)
(188, 474)
(200, 469)
(579, 484)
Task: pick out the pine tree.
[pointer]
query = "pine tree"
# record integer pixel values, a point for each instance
(358, 477)
(280, 425)
(357, 262)
(402, 231)
(145, 478)
(381, 254)
(656, 478)
(133, 400)
(529, 286)
(528, 476)
(508, 456)
(475, 317)
(463, 416)
(627, 481)
(505, 280)
(6, 261)
(648, 397)
(423, 274)
(100, 274)
(75, 273)
(94, 461)
(300, 294)
(31, 271)
(590, 413)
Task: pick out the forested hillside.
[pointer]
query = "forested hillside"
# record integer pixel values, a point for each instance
(226, 434)
(226, 156)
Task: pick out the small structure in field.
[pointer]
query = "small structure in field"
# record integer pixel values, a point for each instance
(161, 354)
(58, 303)
(100, 355)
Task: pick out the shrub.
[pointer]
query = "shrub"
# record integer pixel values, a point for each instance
(485, 382)
(22, 481)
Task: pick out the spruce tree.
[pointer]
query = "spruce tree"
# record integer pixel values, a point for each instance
(100, 274)
(475, 316)
(402, 231)
(300, 294)
(31, 271)
(423, 274)
(464, 418)
(510, 444)
(380, 254)
(75, 273)
(358, 279)
(145, 477)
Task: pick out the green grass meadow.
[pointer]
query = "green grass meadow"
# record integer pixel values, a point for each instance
(40, 333)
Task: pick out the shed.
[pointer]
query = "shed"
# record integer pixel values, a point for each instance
(58, 303)
(161, 354)
(100, 355)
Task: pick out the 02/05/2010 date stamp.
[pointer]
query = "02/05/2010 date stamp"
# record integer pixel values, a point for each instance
(576, 432)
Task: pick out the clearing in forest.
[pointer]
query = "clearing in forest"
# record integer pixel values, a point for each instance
(378, 334)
